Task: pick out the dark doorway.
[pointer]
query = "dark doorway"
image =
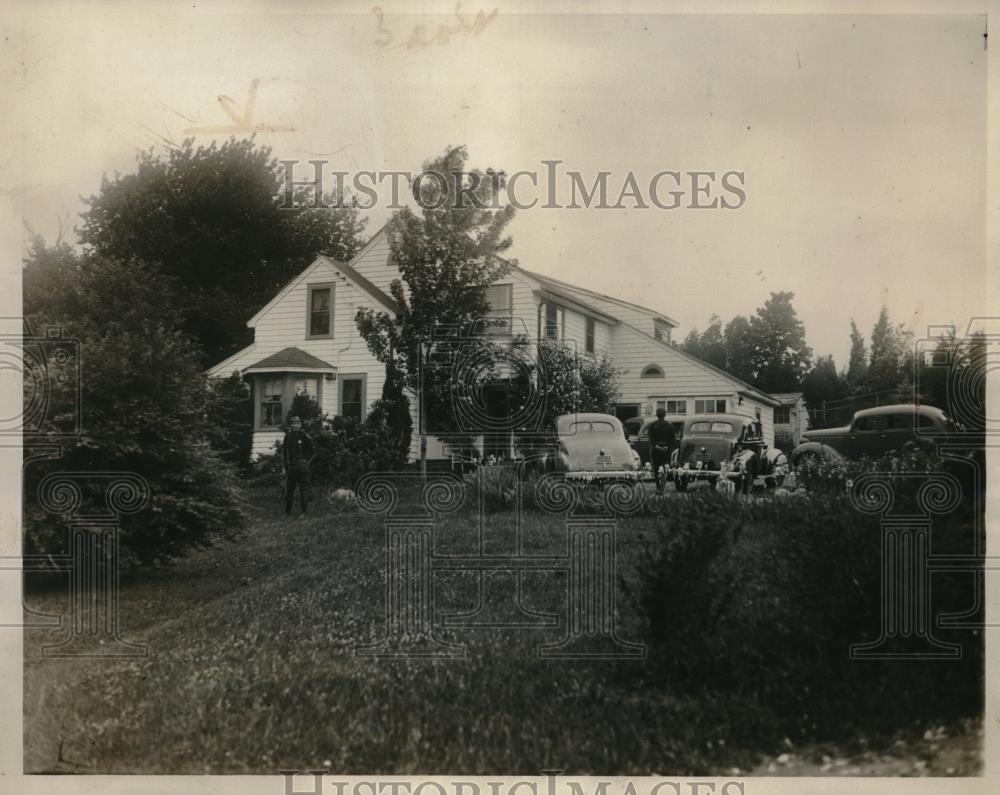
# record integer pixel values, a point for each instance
(626, 411)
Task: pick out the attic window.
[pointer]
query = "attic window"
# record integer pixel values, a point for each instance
(319, 320)
(652, 371)
(661, 331)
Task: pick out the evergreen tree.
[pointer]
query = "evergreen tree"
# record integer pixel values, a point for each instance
(822, 385)
(889, 374)
(857, 365)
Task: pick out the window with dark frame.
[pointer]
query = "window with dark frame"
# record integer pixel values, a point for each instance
(710, 407)
(352, 398)
(591, 342)
(868, 423)
(271, 393)
(320, 310)
(782, 415)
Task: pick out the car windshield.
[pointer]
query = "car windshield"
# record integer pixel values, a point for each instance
(710, 427)
(591, 427)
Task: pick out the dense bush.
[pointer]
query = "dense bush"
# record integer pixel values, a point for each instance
(345, 448)
(822, 474)
(143, 408)
(230, 420)
(763, 599)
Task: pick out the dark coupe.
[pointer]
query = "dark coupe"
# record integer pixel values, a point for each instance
(879, 430)
(729, 445)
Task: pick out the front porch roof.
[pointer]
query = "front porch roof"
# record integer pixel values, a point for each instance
(291, 360)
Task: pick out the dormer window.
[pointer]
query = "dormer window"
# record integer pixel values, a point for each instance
(661, 331)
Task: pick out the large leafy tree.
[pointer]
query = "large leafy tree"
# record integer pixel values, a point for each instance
(447, 253)
(781, 356)
(713, 343)
(768, 350)
(692, 343)
(709, 345)
(143, 403)
(211, 217)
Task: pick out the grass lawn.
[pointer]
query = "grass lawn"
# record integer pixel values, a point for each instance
(252, 668)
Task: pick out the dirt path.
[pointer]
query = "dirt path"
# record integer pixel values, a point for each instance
(939, 751)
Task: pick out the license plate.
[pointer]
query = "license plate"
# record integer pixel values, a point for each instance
(603, 459)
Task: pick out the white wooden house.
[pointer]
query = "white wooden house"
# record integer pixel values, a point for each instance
(791, 418)
(306, 340)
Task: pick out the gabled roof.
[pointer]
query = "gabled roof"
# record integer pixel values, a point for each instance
(572, 302)
(556, 284)
(555, 287)
(346, 271)
(745, 388)
(360, 281)
(220, 368)
(289, 360)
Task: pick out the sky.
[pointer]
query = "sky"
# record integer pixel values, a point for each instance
(862, 139)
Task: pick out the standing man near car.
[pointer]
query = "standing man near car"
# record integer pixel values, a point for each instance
(297, 451)
(661, 443)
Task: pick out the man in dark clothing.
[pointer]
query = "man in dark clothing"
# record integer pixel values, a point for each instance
(297, 452)
(661, 443)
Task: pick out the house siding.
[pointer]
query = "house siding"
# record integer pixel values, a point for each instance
(629, 343)
(373, 263)
(684, 380)
(284, 325)
(790, 434)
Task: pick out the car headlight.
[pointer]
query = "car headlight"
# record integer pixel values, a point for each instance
(636, 460)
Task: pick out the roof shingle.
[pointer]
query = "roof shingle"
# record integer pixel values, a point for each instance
(291, 359)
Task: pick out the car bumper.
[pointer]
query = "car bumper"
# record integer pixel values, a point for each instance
(703, 474)
(601, 474)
